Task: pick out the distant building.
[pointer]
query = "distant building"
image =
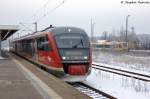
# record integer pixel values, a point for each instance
(110, 45)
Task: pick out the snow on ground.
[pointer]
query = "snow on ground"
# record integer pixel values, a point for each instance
(123, 68)
(120, 86)
(143, 51)
(128, 60)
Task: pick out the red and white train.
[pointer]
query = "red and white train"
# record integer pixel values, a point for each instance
(63, 51)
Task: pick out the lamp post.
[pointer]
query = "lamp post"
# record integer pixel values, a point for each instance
(92, 30)
(127, 17)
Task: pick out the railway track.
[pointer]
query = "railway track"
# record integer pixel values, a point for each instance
(122, 72)
(90, 91)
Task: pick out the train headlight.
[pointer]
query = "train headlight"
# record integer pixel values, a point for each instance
(85, 57)
(63, 57)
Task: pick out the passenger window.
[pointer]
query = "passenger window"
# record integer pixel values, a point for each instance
(43, 44)
(26, 46)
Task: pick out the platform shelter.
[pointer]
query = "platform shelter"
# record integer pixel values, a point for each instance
(6, 31)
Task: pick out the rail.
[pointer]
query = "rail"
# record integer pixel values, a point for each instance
(90, 91)
(132, 74)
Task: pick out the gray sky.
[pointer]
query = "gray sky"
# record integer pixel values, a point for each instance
(108, 15)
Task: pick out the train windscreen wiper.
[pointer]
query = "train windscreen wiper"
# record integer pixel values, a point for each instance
(78, 43)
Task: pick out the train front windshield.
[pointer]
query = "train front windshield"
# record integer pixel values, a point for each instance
(71, 41)
(73, 46)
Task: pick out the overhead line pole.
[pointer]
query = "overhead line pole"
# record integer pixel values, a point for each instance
(92, 31)
(0, 44)
(127, 17)
(35, 26)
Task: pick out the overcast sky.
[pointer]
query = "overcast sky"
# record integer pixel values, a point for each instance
(108, 15)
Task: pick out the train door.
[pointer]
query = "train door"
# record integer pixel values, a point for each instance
(43, 50)
(16, 46)
(34, 50)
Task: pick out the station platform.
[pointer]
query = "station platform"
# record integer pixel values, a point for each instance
(20, 79)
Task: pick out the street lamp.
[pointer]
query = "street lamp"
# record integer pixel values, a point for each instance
(127, 17)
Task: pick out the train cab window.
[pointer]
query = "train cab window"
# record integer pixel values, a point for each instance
(43, 44)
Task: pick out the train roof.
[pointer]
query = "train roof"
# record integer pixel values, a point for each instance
(54, 31)
(60, 30)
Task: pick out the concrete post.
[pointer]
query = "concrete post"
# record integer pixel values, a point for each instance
(35, 26)
(127, 17)
(92, 31)
(0, 44)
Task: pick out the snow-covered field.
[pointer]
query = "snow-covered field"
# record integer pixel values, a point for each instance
(120, 86)
(127, 60)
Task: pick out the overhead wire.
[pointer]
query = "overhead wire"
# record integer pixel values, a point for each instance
(44, 5)
(32, 16)
(40, 9)
(50, 11)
